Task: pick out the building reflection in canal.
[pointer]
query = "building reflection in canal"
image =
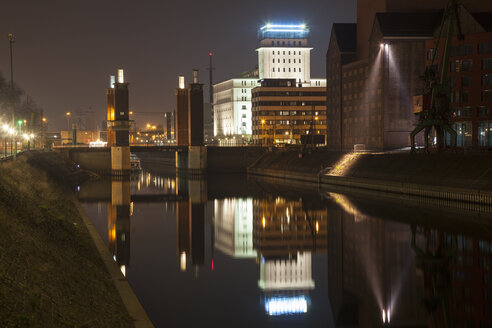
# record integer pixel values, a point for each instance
(119, 211)
(386, 265)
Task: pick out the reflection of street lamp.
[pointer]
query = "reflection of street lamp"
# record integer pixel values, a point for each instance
(11, 132)
(5, 130)
(262, 131)
(68, 120)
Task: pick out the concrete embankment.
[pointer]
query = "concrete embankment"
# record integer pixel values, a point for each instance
(448, 176)
(51, 274)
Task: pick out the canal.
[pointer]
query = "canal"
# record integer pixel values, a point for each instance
(237, 251)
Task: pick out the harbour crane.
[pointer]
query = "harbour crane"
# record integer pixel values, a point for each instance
(435, 111)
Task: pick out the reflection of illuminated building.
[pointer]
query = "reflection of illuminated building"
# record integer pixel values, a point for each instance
(286, 273)
(119, 212)
(190, 216)
(234, 227)
(455, 270)
(286, 233)
(284, 227)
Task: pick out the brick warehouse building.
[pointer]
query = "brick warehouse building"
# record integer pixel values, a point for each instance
(470, 77)
(371, 84)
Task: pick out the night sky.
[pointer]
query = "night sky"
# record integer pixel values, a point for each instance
(66, 50)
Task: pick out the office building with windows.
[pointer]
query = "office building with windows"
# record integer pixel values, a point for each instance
(232, 109)
(285, 113)
(283, 55)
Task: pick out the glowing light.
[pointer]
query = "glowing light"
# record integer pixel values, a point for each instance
(123, 270)
(112, 81)
(181, 82)
(384, 316)
(67, 113)
(262, 121)
(121, 76)
(212, 264)
(183, 261)
(263, 222)
(210, 54)
(44, 119)
(284, 28)
(381, 45)
(286, 305)
(5, 127)
(317, 226)
(344, 164)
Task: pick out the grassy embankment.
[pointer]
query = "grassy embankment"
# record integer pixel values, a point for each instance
(51, 274)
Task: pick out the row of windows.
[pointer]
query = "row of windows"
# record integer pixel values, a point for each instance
(294, 43)
(291, 122)
(466, 80)
(246, 82)
(464, 96)
(467, 112)
(286, 132)
(289, 94)
(278, 60)
(285, 113)
(278, 69)
(288, 103)
(464, 50)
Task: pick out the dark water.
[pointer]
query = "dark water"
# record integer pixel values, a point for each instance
(243, 252)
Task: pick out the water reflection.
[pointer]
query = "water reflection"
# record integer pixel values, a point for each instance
(301, 257)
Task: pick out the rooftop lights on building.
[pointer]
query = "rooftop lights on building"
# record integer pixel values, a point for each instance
(121, 77)
(112, 81)
(286, 28)
(181, 82)
(286, 305)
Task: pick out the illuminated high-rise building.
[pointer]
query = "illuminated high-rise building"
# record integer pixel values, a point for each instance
(283, 53)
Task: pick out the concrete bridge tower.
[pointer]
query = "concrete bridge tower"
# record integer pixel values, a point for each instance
(118, 124)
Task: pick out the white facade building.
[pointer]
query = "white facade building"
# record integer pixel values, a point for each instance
(233, 222)
(286, 274)
(232, 107)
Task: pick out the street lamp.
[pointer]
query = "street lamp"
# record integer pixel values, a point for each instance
(68, 120)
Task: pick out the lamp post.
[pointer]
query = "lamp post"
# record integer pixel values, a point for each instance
(67, 114)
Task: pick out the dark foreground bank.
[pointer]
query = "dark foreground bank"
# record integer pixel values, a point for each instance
(51, 274)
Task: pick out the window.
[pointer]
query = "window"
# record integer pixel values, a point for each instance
(484, 133)
(289, 61)
(431, 53)
(299, 60)
(273, 52)
(482, 111)
(289, 69)
(274, 69)
(466, 81)
(289, 53)
(294, 60)
(284, 52)
(278, 60)
(299, 69)
(487, 95)
(288, 43)
(462, 50)
(294, 69)
(487, 79)
(278, 52)
(487, 63)
(452, 81)
(274, 60)
(279, 69)
(464, 134)
(284, 69)
(466, 65)
(485, 48)
(284, 60)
